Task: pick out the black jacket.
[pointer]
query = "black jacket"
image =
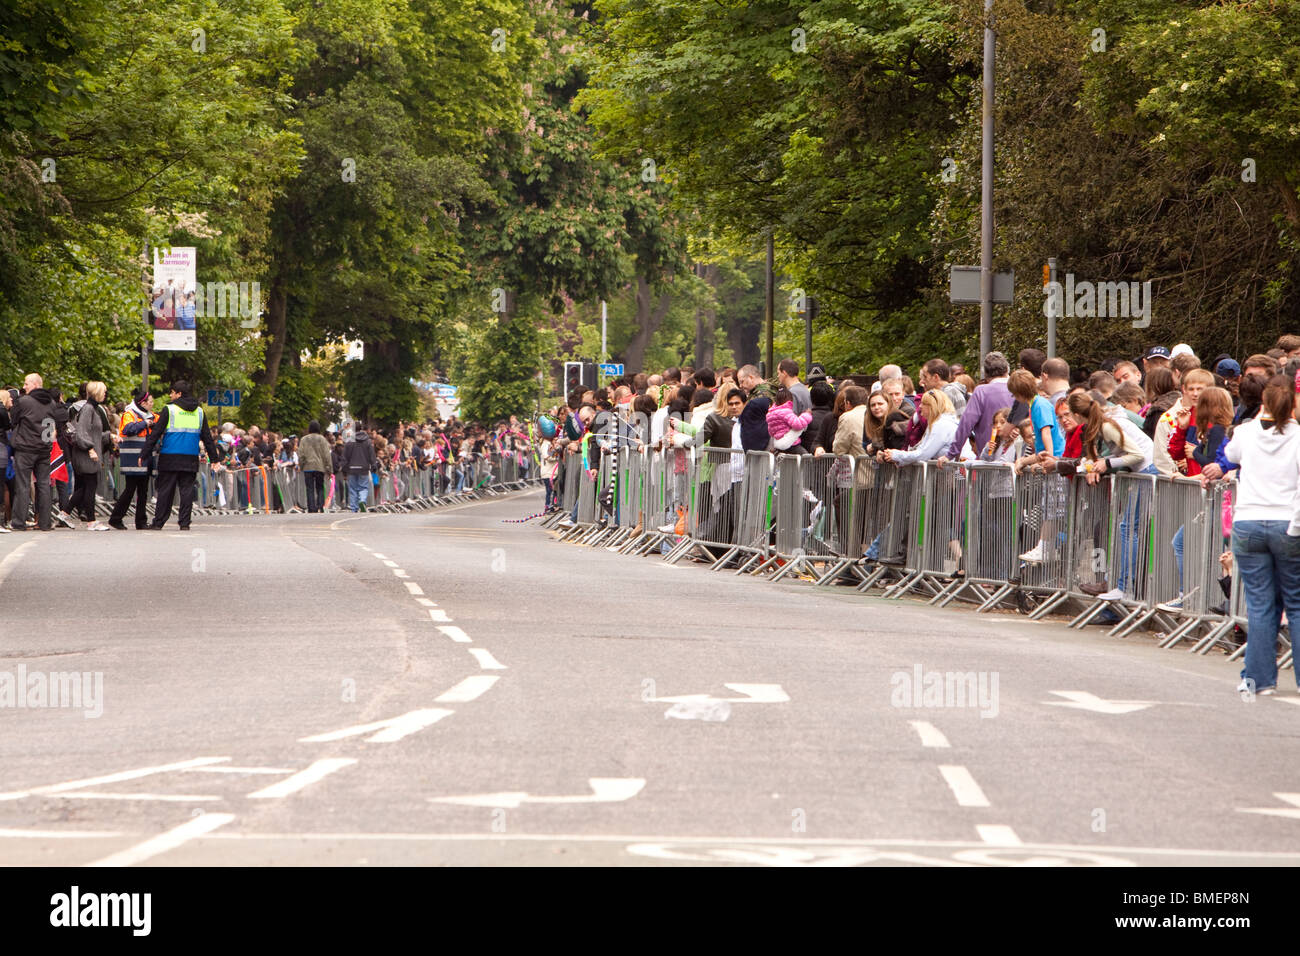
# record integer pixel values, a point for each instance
(359, 455)
(28, 431)
(812, 435)
(1158, 408)
(181, 462)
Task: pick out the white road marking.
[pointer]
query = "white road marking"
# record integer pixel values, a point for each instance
(485, 659)
(963, 786)
(391, 564)
(1289, 700)
(170, 840)
(750, 694)
(471, 688)
(456, 634)
(425, 602)
(168, 797)
(930, 734)
(1085, 701)
(413, 588)
(998, 834)
(57, 834)
(303, 778)
(399, 572)
(603, 790)
(111, 778)
(385, 731)
(1293, 811)
(438, 616)
(379, 557)
(13, 557)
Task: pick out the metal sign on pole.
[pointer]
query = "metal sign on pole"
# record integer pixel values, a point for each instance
(966, 286)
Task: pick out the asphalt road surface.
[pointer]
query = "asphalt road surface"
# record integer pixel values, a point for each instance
(449, 688)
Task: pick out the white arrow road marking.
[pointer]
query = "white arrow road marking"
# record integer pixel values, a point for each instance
(1292, 811)
(750, 694)
(413, 588)
(111, 778)
(303, 778)
(963, 786)
(485, 659)
(166, 797)
(385, 731)
(1085, 701)
(163, 842)
(604, 790)
(438, 615)
(456, 634)
(998, 834)
(471, 688)
(275, 770)
(13, 557)
(930, 734)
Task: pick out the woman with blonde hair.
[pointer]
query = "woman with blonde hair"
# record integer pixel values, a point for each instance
(940, 430)
(89, 443)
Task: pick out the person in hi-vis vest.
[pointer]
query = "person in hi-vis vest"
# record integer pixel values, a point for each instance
(176, 435)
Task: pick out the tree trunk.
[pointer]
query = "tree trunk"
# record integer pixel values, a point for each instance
(648, 320)
(276, 328)
(1289, 201)
(706, 319)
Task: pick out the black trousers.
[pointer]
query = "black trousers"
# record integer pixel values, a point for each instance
(315, 491)
(26, 464)
(168, 483)
(137, 486)
(83, 495)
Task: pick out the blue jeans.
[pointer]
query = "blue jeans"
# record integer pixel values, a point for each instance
(1178, 556)
(1268, 561)
(1137, 500)
(358, 490)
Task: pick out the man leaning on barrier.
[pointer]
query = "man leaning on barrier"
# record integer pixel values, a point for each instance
(180, 429)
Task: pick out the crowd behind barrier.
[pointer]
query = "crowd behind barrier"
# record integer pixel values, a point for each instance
(945, 531)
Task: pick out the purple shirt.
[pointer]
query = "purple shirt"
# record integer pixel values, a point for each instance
(977, 419)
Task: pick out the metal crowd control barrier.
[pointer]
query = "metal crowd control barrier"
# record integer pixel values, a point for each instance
(990, 555)
(1132, 554)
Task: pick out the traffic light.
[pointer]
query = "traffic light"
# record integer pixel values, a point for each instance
(579, 375)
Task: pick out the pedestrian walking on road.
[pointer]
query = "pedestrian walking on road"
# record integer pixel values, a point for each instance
(91, 440)
(314, 460)
(133, 436)
(358, 463)
(176, 436)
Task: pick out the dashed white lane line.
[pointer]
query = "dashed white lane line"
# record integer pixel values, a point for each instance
(197, 827)
(998, 834)
(303, 778)
(378, 556)
(385, 731)
(399, 572)
(456, 634)
(964, 787)
(391, 564)
(486, 660)
(929, 733)
(438, 616)
(469, 689)
(414, 588)
(425, 602)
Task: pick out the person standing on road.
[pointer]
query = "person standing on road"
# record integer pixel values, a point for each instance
(90, 442)
(32, 432)
(133, 435)
(176, 436)
(315, 462)
(1266, 529)
(358, 463)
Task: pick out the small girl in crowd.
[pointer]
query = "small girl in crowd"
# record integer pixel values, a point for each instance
(1000, 449)
(785, 427)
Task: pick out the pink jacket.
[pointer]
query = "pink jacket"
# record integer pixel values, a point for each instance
(782, 419)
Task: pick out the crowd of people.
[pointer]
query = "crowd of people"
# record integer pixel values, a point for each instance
(56, 454)
(1166, 413)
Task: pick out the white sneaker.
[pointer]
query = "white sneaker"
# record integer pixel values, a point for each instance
(1172, 606)
(99, 527)
(1034, 555)
(566, 523)
(1114, 594)
(5, 529)
(666, 528)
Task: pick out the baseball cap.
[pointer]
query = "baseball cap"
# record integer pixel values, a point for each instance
(1157, 351)
(1228, 368)
(1182, 348)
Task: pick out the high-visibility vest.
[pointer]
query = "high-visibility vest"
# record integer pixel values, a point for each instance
(182, 434)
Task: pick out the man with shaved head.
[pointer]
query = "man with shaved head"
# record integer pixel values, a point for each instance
(33, 428)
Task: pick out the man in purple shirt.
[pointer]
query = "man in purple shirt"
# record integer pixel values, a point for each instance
(977, 420)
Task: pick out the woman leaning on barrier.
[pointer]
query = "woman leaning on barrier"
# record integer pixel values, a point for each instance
(1266, 529)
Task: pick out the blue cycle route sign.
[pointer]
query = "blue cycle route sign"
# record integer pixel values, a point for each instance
(224, 397)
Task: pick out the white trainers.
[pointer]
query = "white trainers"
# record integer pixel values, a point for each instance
(666, 528)
(97, 526)
(5, 529)
(1172, 606)
(1114, 594)
(1034, 555)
